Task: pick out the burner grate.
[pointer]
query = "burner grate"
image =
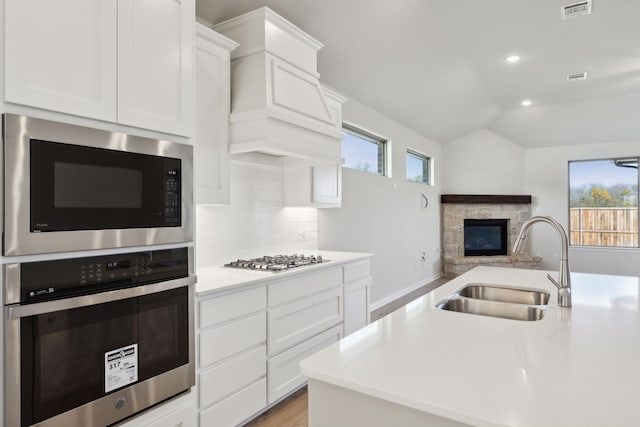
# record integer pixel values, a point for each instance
(277, 262)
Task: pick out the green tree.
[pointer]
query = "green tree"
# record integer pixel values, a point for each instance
(601, 197)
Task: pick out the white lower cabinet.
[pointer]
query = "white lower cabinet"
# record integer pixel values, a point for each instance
(292, 323)
(283, 370)
(304, 315)
(234, 374)
(357, 288)
(232, 353)
(236, 408)
(232, 338)
(251, 341)
(356, 305)
(179, 412)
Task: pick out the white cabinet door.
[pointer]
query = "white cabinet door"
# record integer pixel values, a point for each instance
(318, 185)
(61, 56)
(211, 146)
(327, 184)
(356, 305)
(155, 64)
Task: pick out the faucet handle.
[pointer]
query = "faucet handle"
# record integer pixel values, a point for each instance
(554, 281)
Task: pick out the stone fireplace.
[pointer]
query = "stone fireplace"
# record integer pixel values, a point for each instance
(492, 223)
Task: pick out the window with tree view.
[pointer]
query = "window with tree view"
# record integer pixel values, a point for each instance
(603, 202)
(363, 151)
(418, 167)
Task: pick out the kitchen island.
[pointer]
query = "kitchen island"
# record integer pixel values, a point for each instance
(421, 365)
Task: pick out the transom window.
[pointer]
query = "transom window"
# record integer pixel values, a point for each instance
(603, 202)
(418, 167)
(363, 151)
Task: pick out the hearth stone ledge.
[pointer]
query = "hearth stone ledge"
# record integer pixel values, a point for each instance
(455, 266)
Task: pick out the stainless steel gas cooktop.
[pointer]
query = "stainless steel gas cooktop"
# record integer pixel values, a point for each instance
(277, 262)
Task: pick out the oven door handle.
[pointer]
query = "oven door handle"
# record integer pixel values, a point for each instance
(18, 311)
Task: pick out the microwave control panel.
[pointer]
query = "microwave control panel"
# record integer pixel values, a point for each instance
(172, 197)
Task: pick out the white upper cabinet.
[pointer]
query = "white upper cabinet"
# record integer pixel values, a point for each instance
(211, 145)
(61, 56)
(155, 57)
(125, 61)
(319, 185)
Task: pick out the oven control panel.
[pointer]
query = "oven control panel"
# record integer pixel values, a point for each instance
(64, 278)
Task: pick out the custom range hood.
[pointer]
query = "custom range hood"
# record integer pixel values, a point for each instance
(278, 105)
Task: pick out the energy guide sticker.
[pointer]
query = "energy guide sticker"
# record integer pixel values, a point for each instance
(120, 367)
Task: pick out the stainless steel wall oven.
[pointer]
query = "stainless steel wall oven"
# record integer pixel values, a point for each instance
(70, 188)
(90, 341)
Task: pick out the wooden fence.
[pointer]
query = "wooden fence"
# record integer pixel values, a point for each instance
(604, 227)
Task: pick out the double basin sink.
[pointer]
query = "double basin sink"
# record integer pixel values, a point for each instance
(497, 301)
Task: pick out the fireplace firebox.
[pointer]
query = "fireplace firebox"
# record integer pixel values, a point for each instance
(485, 237)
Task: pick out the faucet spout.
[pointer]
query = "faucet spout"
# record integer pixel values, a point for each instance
(564, 278)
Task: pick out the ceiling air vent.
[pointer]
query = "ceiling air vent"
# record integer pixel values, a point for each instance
(576, 76)
(576, 9)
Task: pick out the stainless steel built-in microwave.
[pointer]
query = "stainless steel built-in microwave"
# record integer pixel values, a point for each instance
(69, 188)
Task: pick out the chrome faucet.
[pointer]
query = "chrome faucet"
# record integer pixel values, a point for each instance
(564, 279)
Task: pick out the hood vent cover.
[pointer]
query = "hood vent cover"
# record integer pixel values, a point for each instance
(278, 105)
(576, 9)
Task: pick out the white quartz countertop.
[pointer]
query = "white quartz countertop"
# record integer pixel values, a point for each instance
(575, 367)
(220, 278)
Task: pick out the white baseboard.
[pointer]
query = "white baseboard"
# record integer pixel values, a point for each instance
(402, 292)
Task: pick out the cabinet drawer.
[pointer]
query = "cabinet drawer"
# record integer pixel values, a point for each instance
(357, 270)
(284, 370)
(232, 338)
(184, 417)
(229, 377)
(293, 323)
(300, 287)
(221, 309)
(237, 407)
(178, 412)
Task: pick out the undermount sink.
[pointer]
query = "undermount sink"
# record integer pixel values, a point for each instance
(492, 309)
(503, 294)
(497, 301)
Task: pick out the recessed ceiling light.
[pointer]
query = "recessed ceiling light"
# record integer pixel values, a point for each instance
(513, 59)
(526, 103)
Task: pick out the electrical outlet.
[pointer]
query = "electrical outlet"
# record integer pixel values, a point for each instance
(423, 257)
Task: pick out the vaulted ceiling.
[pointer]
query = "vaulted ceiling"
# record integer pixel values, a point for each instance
(439, 66)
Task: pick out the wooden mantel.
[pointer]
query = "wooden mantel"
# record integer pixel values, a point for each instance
(498, 199)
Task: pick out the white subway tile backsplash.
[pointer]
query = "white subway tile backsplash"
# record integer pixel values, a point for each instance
(255, 223)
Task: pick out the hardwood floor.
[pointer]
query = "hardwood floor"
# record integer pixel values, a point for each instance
(292, 412)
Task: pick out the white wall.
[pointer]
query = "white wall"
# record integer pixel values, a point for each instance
(546, 178)
(482, 163)
(255, 223)
(384, 215)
